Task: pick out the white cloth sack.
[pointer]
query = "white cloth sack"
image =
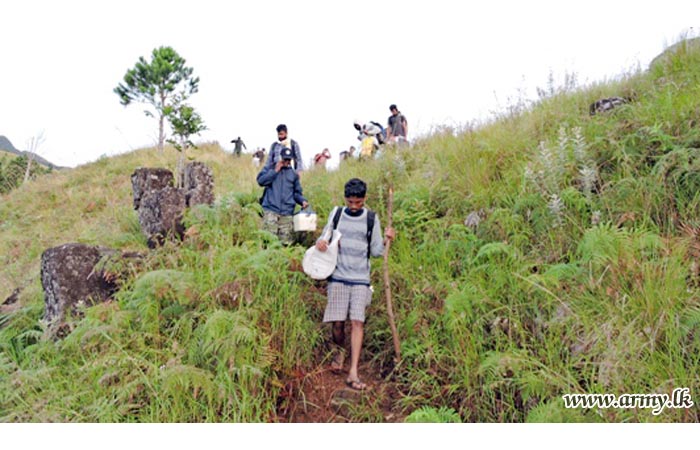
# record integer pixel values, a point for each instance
(320, 265)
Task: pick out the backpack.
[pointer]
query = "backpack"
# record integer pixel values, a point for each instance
(381, 137)
(370, 226)
(292, 144)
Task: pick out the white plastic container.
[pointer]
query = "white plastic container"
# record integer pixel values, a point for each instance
(305, 221)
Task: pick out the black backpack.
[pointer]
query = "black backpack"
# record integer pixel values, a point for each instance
(370, 225)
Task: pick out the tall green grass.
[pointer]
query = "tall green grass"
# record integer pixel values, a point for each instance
(573, 275)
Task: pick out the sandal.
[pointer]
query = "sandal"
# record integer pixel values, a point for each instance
(356, 384)
(337, 363)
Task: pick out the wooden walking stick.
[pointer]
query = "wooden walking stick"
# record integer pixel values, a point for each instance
(387, 284)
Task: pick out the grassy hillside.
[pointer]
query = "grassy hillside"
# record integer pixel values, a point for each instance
(545, 253)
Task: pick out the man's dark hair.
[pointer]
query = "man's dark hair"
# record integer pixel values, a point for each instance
(356, 188)
(281, 127)
(393, 107)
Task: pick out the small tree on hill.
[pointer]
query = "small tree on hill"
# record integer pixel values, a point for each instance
(158, 83)
(185, 122)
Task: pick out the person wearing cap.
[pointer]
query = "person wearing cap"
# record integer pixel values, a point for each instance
(282, 193)
(397, 128)
(284, 141)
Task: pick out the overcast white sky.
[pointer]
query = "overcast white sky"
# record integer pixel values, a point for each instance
(314, 65)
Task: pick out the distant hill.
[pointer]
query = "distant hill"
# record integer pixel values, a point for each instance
(7, 146)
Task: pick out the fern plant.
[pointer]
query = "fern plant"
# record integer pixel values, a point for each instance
(429, 414)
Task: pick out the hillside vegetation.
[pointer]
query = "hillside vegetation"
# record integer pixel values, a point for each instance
(13, 169)
(544, 253)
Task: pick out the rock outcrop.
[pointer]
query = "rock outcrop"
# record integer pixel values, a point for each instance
(606, 104)
(147, 180)
(70, 279)
(160, 215)
(199, 184)
(161, 206)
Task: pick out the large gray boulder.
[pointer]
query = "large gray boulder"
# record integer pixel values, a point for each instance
(147, 180)
(199, 184)
(70, 279)
(160, 215)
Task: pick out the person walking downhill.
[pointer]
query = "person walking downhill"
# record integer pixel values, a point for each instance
(258, 156)
(349, 291)
(239, 145)
(284, 141)
(397, 129)
(282, 193)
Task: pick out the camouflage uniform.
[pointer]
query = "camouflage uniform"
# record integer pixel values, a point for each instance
(279, 225)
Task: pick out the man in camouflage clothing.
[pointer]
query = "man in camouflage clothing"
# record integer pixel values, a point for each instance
(282, 193)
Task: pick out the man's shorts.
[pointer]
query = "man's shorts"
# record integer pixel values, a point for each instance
(347, 298)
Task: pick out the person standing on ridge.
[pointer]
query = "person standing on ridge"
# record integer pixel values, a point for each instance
(284, 141)
(321, 158)
(349, 291)
(282, 193)
(397, 129)
(239, 146)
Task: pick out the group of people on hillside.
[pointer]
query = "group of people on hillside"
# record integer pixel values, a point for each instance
(258, 154)
(349, 291)
(372, 135)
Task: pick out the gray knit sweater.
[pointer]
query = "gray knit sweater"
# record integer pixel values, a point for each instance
(353, 264)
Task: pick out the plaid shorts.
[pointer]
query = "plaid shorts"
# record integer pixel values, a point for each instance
(347, 298)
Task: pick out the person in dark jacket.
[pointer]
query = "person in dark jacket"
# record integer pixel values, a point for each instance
(239, 145)
(282, 193)
(284, 141)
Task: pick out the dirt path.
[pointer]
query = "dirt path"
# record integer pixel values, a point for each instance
(321, 396)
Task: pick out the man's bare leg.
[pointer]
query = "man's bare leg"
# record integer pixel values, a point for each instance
(338, 333)
(356, 336)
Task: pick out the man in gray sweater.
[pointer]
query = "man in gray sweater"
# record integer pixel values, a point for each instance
(349, 291)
